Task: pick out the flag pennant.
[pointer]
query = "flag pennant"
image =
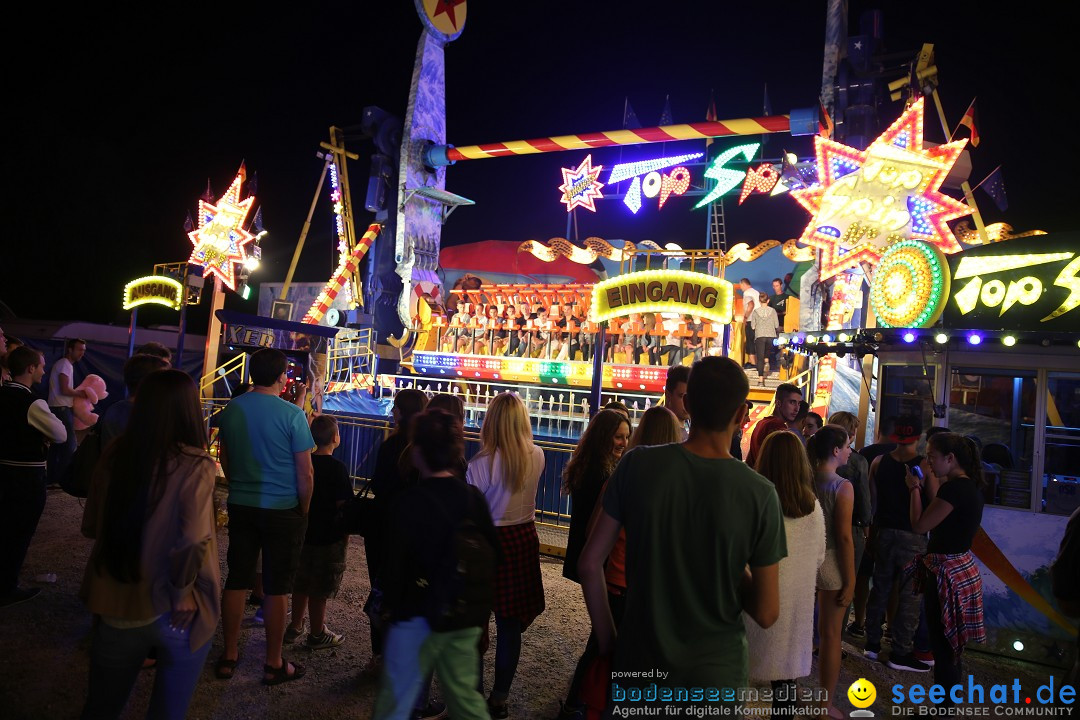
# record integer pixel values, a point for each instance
(766, 108)
(825, 122)
(208, 196)
(189, 224)
(971, 123)
(994, 186)
(665, 116)
(257, 223)
(629, 120)
(252, 186)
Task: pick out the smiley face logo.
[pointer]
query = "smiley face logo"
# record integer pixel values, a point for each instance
(862, 693)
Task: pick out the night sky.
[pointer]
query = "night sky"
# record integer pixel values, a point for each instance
(119, 121)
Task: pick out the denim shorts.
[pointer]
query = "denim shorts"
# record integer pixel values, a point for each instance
(279, 534)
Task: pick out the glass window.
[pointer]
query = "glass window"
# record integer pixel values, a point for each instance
(1061, 466)
(907, 390)
(996, 408)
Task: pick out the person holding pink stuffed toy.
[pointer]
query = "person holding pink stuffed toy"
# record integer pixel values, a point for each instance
(93, 388)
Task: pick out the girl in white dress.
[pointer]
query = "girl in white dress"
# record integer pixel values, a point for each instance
(784, 651)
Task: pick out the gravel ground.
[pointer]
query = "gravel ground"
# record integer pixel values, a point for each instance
(43, 667)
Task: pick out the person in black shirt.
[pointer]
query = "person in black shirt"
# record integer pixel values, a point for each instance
(948, 572)
(778, 301)
(1065, 575)
(895, 545)
(386, 483)
(322, 559)
(436, 614)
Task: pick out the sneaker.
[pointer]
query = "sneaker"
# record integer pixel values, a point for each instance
(907, 662)
(856, 630)
(924, 656)
(497, 709)
(872, 651)
(19, 595)
(255, 620)
(326, 639)
(292, 635)
(433, 711)
(885, 632)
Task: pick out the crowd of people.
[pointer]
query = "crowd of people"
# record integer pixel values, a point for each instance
(713, 571)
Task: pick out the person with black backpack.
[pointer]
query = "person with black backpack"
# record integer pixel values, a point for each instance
(438, 578)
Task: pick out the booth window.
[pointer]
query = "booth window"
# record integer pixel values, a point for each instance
(996, 408)
(907, 390)
(1061, 466)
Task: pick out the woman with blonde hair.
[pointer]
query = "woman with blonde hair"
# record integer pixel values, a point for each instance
(507, 471)
(783, 652)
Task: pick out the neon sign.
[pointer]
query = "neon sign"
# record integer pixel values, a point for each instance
(726, 178)
(581, 185)
(650, 182)
(154, 289)
(220, 240)
(664, 291)
(868, 200)
(1019, 284)
(763, 179)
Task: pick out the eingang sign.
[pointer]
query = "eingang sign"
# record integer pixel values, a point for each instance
(663, 291)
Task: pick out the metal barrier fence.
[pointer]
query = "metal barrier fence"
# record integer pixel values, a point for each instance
(361, 438)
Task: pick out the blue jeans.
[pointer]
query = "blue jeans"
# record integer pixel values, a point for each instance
(893, 549)
(402, 677)
(60, 453)
(116, 657)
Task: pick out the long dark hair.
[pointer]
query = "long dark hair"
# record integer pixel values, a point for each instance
(409, 403)
(819, 448)
(966, 452)
(165, 418)
(783, 461)
(439, 439)
(594, 449)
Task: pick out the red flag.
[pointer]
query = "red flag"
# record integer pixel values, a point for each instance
(969, 122)
(825, 122)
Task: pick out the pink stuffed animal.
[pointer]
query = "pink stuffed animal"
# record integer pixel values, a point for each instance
(83, 409)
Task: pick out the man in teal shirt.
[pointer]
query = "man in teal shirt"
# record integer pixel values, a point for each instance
(265, 454)
(704, 538)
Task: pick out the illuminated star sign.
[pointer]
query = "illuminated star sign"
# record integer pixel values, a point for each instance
(220, 240)
(865, 201)
(448, 7)
(581, 185)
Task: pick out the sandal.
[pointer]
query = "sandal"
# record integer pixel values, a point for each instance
(276, 676)
(224, 669)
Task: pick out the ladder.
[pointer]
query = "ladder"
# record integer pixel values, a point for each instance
(717, 228)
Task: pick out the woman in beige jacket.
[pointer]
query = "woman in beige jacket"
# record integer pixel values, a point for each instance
(153, 577)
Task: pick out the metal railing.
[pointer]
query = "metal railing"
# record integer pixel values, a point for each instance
(351, 355)
(234, 366)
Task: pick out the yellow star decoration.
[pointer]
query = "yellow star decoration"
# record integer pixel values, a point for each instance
(868, 200)
(220, 240)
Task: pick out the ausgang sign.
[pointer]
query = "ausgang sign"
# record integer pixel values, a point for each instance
(663, 291)
(156, 289)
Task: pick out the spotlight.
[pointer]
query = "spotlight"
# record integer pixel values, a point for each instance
(1046, 342)
(251, 263)
(941, 338)
(826, 338)
(974, 338)
(1008, 341)
(811, 339)
(1018, 646)
(800, 338)
(878, 337)
(843, 337)
(909, 337)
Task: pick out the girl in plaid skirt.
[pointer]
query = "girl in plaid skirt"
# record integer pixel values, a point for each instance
(949, 578)
(507, 471)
